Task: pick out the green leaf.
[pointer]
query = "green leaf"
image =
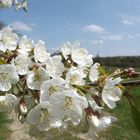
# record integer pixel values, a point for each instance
(136, 101)
(136, 116)
(2, 61)
(102, 70)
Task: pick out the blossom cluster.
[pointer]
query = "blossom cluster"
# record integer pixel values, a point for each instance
(16, 3)
(52, 91)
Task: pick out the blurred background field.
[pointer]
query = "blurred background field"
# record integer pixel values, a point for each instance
(4, 131)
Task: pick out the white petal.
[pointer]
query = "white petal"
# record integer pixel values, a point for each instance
(66, 49)
(94, 73)
(2, 47)
(11, 99)
(34, 116)
(5, 85)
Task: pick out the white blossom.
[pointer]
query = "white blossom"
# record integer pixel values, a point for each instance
(91, 100)
(8, 39)
(111, 92)
(17, 3)
(40, 53)
(8, 76)
(77, 54)
(25, 45)
(99, 124)
(50, 87)
(39, 116)
(21, 62)
(75, 76)
(94, 72)
(6, 3)
(54, 66)
(22, 5)
(80, 55)
(70, 105)
(42, 117)
(7, 102)
(36, 78)
(66, 49)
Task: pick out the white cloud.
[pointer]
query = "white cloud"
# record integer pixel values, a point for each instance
(127, 22)
(97, 42)
(137, 35)
(116, 37)
(131, 36)
(129, 19)
(33, 24)
(94, 28)
(133, 18)
(20, 26)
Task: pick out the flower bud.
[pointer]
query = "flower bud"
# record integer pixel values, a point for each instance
(130, 72)
(94, 120)
(22, 108)
(36, 100)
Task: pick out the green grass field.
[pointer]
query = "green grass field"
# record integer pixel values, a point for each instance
(123, 129)
(4, 132)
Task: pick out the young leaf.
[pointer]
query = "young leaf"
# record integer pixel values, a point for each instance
(2, 61)
(136, 116)
(102, 70)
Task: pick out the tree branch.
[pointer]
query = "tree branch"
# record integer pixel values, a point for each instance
(124, 83)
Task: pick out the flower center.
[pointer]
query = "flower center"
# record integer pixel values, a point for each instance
(3, 76)
(44, 114)
(52, 90)
(68, 103)
(73, 78)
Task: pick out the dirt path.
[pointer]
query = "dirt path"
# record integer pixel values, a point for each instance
(21, 131)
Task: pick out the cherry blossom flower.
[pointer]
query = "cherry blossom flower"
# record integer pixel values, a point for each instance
(42, 117)
(36, 78)
(111, 92)
(75, 76)
(70, 105)
(21, 62)
(25, 45)
(80, 55)
(41, 55)
(6, 3)
(8, 76)
(66, 49)
(98, 125)
(94, 72)
(54, 66)
(50, 87)
(8, 39)
(7, 102)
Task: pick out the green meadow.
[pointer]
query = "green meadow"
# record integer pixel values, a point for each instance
(4, 121)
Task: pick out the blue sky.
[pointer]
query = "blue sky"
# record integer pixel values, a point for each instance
(110, 27)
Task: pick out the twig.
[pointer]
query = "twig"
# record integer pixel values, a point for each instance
(125, 83)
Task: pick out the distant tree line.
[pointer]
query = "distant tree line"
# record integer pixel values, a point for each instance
(119, 61)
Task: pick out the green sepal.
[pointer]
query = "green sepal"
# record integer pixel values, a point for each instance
(2, 61)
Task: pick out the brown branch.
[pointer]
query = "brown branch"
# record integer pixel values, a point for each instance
(131, 83)
(124, 83)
